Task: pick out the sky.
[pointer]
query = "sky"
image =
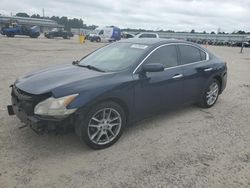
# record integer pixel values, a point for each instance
(178, 15)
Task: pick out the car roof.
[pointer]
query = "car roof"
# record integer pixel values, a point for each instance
(154, 41)
(147, 33)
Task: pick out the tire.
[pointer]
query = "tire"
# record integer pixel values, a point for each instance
(99, 131)
(10, 35)
(213, 87)
(98, 39)
(33, 36)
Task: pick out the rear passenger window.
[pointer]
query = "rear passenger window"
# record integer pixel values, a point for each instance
(189, 54)
(147, 35)
(143, 36)
(203, 55)
(166, 55)
(151, 36)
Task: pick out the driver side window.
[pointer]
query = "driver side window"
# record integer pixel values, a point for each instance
(166, 55)
(101, 32)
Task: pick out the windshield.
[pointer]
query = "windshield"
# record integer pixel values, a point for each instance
(95, 32)
(114, 57)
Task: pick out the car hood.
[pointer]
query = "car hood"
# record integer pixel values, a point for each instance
(46, 80)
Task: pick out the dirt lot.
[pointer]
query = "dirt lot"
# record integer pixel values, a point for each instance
(190, 147)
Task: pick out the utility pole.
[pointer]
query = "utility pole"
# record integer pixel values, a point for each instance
(242, 46)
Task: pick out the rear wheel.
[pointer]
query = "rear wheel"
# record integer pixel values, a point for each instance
(103, 125)
(211, 94)
(98, 39)
(10, 35)
(34, 36)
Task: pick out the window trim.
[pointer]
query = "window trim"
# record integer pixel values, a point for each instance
(177, 56)
(180, 65)
(198, 48)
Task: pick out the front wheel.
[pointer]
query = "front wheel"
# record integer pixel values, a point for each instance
(10, 35)
(103, 125)
(34, 36)
(211, 94)
(98, 39)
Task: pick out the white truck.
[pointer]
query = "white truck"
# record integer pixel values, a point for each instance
(105, 34)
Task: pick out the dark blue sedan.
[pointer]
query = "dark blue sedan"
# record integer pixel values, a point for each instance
(118, 84)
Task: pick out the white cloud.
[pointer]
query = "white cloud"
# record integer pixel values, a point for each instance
(182, 15)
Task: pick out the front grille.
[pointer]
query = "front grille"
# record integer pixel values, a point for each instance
(26, 102)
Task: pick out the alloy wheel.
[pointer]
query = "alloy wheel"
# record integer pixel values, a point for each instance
(212, 93)
(104, 126)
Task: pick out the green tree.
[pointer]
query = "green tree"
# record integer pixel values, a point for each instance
(66, 22)
(241, 32)
(22, 14)
(35, 16)
(91, 27)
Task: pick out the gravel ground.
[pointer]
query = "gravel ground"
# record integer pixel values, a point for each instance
(189, 147)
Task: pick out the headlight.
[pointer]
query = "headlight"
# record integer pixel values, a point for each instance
(55, 106)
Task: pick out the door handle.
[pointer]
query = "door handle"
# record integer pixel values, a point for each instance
(208, 69)
(177, 76)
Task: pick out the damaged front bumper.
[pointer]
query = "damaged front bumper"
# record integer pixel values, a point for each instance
(41, 124)
(23, 104)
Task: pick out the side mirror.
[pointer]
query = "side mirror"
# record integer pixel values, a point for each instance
(154, 67)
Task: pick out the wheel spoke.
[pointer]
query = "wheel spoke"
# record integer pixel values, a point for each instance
(114, 119)
(215, 87)
(210, 100)
(95, 119)
(113, 124)
(111, 132)
(209, 93)
(96, 126)
(109, 114)
(107, 136)
(95, 134)
(99, 137)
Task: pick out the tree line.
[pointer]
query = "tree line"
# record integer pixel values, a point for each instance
(65, 21)
(78, 23)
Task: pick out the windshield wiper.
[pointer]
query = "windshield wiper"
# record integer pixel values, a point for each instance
(76, 62)
(87, 66)
(91, 67)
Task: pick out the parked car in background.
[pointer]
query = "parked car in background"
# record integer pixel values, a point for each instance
(147, 35)
(32, 32)
(246, 44)
(105, 34)
(116, 85)
(58, 32)
(127, 35)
